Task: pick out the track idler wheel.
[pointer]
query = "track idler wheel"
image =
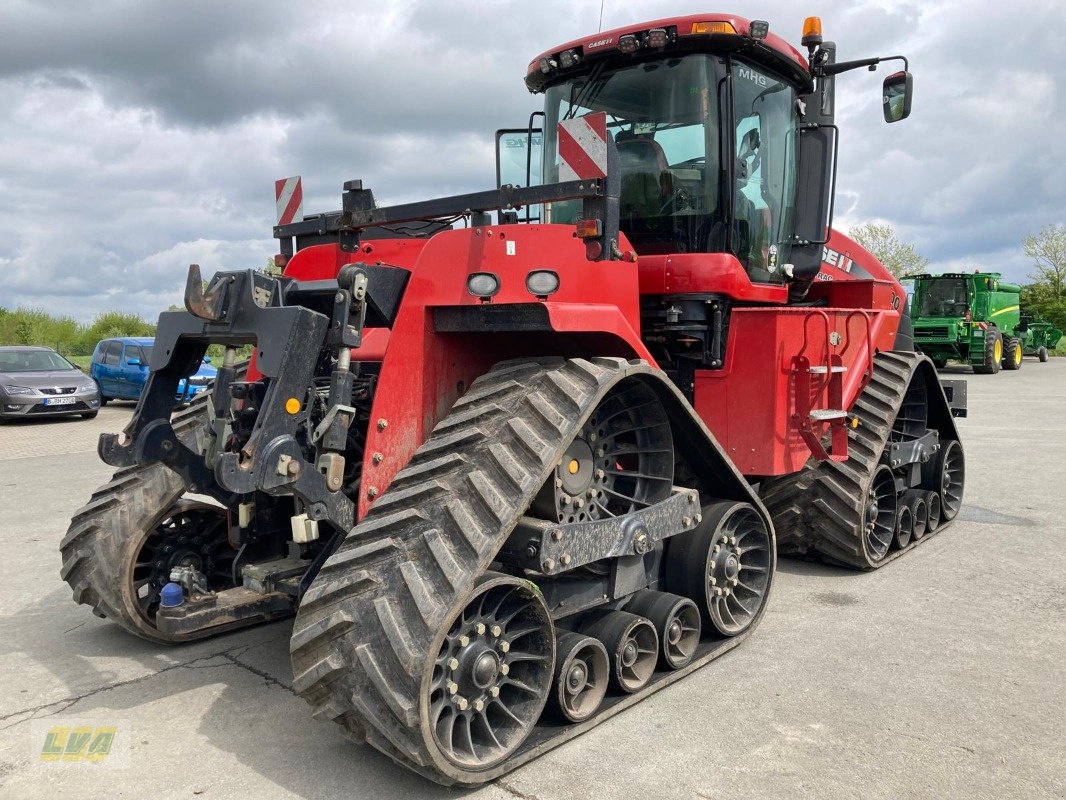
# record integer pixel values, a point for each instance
(631, 643)
(621, 461)
(724, 566)
(932, 504)
(904, 526)
(879, 514)
(677, 624)
(582, 672)
(492, 673)
(946, 474)
(915, 500)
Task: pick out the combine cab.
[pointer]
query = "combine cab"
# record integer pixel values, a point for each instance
(974, 318)
(514, 477)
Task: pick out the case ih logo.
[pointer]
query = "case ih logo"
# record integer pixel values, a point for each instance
(583, 147)
(599, 43)
(835, 259)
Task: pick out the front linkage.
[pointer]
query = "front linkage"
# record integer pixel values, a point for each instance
(290, 323)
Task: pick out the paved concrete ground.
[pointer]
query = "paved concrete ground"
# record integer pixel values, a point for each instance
(941, 675)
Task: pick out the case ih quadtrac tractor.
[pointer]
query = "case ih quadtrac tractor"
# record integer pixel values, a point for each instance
(514, 477)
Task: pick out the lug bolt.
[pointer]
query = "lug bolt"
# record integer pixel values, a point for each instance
(377, 458)
(548, 564)
(565, 559)
(479, 705)
(733, 540)
(495, 691)
(599, 474)
(717, 590)
(480, 628)
(686, 521)
(558, 482)
(383, 424)
(453, 663)
(698, 518)
(453, 688)
(691, 499)
(592, 437)
(464, 641)
(557, 535)
(717, 549)
(495, 630)
(579, 502)
(600, 452)
(727, 591)
(565, 499)
(462, 702)
(714, 565)
(505, 669)
(505, 647)
(714, 580)
(372, 492)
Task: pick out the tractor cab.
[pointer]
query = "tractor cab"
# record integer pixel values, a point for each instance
(724, 136)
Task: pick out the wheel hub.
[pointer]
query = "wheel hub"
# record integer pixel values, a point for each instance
(674, 632)
(577, 678)
(871, 510)
(629, 653)
(576, 468)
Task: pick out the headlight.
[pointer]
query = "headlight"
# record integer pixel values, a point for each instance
(199, 380)
(542, 282)
(482, 284)
(19, 390)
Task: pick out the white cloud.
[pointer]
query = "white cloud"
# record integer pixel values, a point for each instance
(142, 138)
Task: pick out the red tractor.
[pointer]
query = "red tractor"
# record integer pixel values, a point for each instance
(515, 476)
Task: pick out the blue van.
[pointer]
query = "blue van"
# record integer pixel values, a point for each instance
(120, 369)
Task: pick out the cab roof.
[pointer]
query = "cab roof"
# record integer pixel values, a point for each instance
(772, 50)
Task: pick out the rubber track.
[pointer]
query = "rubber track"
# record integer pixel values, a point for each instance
(93, 547)
(368, 623)
(818, 511)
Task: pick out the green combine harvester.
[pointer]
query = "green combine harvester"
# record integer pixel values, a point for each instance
(976, 319)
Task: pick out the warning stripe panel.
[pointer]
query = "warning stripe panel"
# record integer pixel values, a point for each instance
(583, 147)
(289, 196)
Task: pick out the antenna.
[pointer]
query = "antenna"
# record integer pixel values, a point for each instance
(599, 29)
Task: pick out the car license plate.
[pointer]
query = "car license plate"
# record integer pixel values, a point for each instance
(59, 401)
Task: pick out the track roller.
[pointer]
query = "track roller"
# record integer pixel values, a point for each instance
(492, 673)
(677, 623)
(933, 505)
(915, 500)
(631, 643)
(582, 672)
(724, 565)
(946, 474)
(904, 526)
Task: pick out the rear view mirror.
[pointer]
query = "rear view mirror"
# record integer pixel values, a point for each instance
(896, 96)
(134, 362)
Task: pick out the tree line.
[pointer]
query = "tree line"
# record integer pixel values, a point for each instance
(65, 334)
(1045, 295)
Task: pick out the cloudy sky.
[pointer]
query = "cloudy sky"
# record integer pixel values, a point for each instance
(138, 137)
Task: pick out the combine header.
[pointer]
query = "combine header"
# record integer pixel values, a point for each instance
(514, 477)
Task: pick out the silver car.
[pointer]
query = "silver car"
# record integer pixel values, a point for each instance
(38, 382)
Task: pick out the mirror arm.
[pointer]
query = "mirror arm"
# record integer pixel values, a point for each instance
(847, 66)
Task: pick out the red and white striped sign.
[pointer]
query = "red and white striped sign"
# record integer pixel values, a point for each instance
(289, 195)
(583, 147)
